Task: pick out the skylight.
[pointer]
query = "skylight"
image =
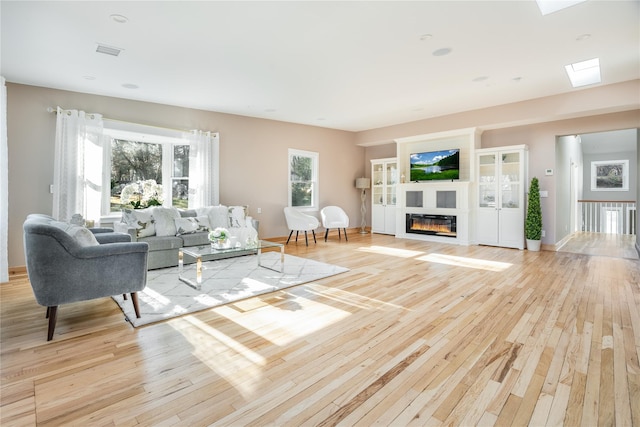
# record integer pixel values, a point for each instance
(550, 6)
(584, 73)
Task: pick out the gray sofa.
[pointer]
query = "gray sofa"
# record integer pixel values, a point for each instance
(164, 229)
(68, 263)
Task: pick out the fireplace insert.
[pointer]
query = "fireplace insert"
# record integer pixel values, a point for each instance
(433, 225)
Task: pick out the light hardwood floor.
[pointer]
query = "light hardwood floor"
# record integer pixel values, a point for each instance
(615, 245)
(414, 334)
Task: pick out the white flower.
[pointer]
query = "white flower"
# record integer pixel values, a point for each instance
(218, 233)
(147, 193)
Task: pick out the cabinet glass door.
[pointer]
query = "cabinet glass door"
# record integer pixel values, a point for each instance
(487, 181)
(510, 180)
(377, 181)
(391, 180)
(377, 178)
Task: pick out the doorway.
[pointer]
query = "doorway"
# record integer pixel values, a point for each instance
(590, 219)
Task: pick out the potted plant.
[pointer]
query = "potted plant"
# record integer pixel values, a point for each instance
(533, 222)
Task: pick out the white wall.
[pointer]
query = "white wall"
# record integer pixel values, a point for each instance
(568, 180)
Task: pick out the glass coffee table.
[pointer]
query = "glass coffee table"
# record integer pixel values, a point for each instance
(208, 253)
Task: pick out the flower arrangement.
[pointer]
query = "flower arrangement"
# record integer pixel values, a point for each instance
(218, 234)
(142, 194)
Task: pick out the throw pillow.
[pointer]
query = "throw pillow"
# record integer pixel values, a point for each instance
(190, 225)
(141, 219)
(165, 220)
(237, 215)
(218, 215)
(81, 235)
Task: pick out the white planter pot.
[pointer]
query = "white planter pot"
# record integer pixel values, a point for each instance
(533, 245)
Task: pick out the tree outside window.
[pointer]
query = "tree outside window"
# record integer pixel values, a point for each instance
(303, 172)
(134, 162)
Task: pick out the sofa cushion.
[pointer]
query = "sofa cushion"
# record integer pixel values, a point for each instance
(195, 239)
(191, 225)
(165, 220)
(161, 243)
(237, 216)
(140, 219)
(218, 215)
(81, 235)
(188, 213)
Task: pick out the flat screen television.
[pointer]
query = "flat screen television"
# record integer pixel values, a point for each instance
(435, 165)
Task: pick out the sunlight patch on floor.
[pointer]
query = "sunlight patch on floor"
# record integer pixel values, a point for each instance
(457, 261)
(352, 299)
(383, 250)
(282, 325)
(224, 355)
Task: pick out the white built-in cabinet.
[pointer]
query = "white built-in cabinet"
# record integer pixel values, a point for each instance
(384, 179)
(501, 178)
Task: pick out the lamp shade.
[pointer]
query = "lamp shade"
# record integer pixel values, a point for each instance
(363, 182)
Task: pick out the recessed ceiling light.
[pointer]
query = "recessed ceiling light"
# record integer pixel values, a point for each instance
(270, 110)
(88, 77)
(120, 19)
(130, 86)
(584, 73)
(516, 79)
(442, 52)
(480, 79)
(425, 37)
(583, 37)
(108, 50)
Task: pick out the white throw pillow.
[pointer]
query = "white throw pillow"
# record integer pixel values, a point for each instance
(141, 219)
(218, 215)
(81, 235)
(165, 220)
(237, 216)
(191, 225)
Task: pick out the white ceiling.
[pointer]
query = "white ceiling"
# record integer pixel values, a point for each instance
(351, 65)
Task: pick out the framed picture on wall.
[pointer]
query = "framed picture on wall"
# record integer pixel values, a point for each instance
(610, 175)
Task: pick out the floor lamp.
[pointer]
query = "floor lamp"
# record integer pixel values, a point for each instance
(363, 184)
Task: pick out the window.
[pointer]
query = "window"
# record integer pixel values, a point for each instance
(303, 179)
(136, 161)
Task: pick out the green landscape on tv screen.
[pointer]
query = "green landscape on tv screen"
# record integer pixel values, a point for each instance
(435, 165)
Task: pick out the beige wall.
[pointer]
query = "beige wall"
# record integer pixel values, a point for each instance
(541, 140)
(579, 103)
(536, 123)
(254, 151)
(253, 155)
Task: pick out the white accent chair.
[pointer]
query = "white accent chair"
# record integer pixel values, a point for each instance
(298, 221)
(334, 217)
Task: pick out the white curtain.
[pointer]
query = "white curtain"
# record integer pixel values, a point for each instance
(77, 165)
(204, 168)
(4, 186)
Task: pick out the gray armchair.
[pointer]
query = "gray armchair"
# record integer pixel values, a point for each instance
(67, 264)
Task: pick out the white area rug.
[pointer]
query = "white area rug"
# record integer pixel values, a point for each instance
(223, 281)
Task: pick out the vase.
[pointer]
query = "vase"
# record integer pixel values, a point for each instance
(533, 245)
(220, 244)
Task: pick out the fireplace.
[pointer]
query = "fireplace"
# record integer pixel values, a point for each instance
(432, 225)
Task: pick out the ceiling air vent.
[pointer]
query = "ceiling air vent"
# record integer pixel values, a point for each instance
(108, 50)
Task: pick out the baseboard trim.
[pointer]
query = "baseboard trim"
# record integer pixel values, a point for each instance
(319, 234)
(562, 242)
(17, 271)
(546, 247)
